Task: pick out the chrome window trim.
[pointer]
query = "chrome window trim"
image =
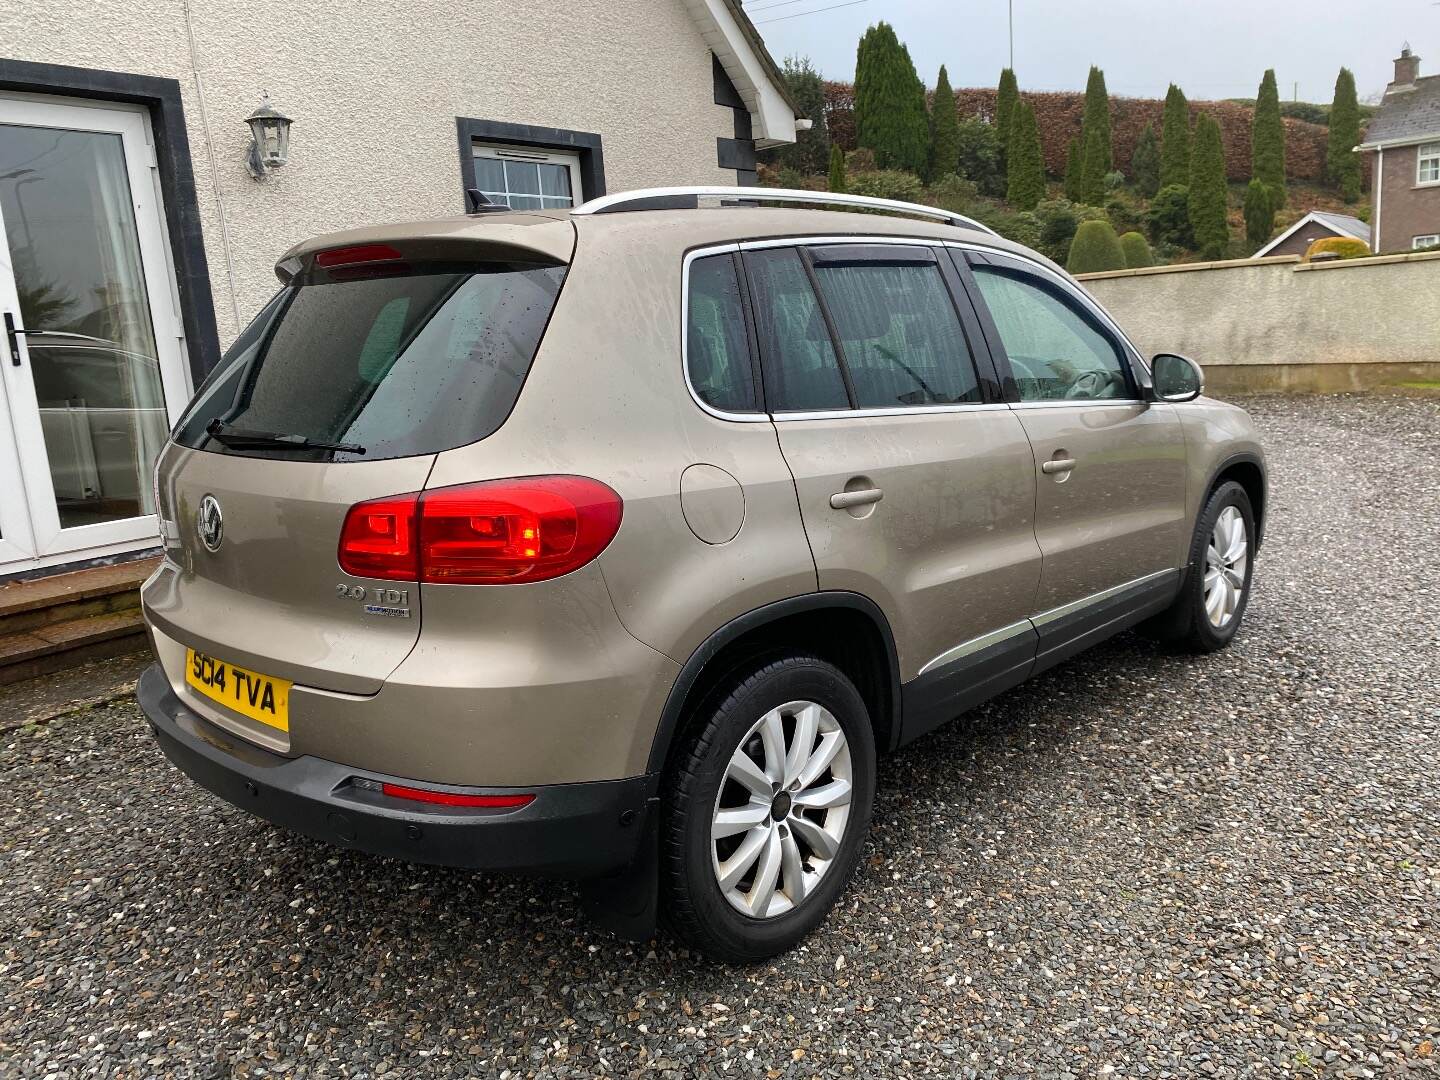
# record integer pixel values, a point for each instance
(899, 410)
(843, 238)
(1064, 403)
(758, 417)
(975, 644)
(1047, 617)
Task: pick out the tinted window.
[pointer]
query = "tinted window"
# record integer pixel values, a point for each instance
(1055, 351)
(800, 367)
(899, 333)
(717, 351)
(399, 365)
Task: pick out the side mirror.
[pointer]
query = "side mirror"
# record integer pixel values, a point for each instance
(1176, 378)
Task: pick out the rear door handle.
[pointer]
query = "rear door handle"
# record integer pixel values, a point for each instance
(1057, 465)
(843, 500)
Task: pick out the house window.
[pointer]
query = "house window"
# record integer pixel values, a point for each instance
(1427, 166)
(1422, 242)
(526, 179)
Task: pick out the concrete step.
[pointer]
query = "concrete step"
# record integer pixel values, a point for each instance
(59, 645)
(30, 605)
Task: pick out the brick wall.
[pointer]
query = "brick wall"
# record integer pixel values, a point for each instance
(1406, 211)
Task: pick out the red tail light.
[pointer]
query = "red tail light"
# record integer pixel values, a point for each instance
(492, 533)
(449, 798)
(356, 255)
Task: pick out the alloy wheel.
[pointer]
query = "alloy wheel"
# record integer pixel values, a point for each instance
(781, 811)
(1226, 558)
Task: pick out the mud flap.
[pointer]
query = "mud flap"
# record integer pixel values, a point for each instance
(626, 902)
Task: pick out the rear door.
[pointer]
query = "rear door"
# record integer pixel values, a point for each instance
(916, 488)
(380, 368)
(1109, 468)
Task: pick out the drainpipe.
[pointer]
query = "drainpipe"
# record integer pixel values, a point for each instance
(1379, 195)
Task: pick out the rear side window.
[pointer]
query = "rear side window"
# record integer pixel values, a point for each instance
(801, 370)
(900, 336)
(717, 348)
(400, 365)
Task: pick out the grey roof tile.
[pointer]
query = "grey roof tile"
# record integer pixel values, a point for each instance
(1409, 114)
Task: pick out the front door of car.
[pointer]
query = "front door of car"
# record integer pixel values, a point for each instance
(1109, 467)
(916, 488)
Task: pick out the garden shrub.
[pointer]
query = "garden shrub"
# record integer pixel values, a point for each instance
(1346, 247)
(1169, 217)
(1125, 213)
(1095, 248)
(1136, 250)
(1145, 163)
(980, 156)
(887, 184)
(953, 193)
(1058, 222)
(1114, 179)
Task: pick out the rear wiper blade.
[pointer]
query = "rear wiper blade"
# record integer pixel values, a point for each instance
(237, 437)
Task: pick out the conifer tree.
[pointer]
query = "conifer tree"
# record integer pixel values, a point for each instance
(1342, 163)
(1145, 163)
(1175, 140)
(944, 130)
(1267, 141)
(1137, 251)
(1092, 168)
(1026, 182)
(1259, 214)
(1207, 190)
(890, 114)
(1097, 119)
(836, 180)
(1005, 98)
(1074, 173)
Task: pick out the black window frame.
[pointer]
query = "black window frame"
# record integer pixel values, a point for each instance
(587, 145)
(742, 282)
(904, 251)
(963, 260)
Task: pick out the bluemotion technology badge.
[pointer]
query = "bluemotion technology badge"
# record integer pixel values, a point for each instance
(209, 523)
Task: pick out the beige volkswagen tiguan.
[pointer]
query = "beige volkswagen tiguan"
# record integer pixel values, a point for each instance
(616, 543)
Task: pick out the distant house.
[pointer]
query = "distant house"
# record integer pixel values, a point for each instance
(1404, 136)
(1316, 225)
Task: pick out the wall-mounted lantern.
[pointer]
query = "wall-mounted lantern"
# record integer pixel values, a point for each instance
(270, 142)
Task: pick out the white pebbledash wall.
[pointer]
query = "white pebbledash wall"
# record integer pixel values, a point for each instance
(374, 87)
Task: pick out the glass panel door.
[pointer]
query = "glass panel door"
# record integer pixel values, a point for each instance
(95, 372)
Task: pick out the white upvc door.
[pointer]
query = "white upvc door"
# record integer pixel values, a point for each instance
(95, 374)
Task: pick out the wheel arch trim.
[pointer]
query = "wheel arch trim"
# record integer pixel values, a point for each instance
(756, 619)
(1244, 457)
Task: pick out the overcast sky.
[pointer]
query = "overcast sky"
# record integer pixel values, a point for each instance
(1212, 48)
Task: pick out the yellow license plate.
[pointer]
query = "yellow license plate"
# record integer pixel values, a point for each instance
(260, 697)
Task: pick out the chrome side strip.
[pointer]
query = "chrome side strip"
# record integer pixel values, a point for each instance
(1046, 617)
(974, 645)
(899, 410)
(1005, 633)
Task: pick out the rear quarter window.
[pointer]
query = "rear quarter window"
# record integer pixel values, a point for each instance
(401, 365)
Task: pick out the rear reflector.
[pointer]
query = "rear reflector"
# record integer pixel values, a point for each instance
(356, 255)
(496, 532)
(449, 798)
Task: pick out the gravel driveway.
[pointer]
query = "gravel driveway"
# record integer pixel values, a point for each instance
(1134, 866)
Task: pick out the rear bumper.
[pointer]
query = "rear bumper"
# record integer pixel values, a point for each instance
(573, 830)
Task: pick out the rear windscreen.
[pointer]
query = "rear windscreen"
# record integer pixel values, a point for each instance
(398, 365)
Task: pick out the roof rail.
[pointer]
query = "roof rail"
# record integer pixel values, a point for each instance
(688, 198)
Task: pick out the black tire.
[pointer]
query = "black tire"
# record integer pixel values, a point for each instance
(1184, 625)
(693, 906)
